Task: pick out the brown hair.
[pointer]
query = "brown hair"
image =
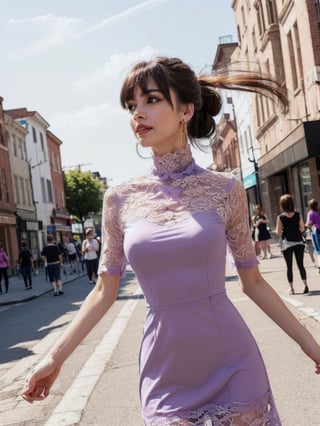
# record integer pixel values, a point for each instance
(313, 205)
(201, 91)
(287, 203)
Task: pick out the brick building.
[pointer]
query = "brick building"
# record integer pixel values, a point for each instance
(8, 234)
(60, 219)
(272, 35)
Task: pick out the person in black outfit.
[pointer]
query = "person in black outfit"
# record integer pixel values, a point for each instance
(52, 255)
(26, 265)
(290, 227)
(259, 223)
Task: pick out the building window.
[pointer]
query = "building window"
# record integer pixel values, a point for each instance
(28, 191)
(23, 192)
(243, 16)
(272, 13)
(49, 190)
(5, 186)
(25, 149)
(292, 61)
(260, 19)
(16, 192)
(21, 149)
(14, 146)
(43, 148)
(8, 140)
(43, 190)
(298, 48)
(34, 134)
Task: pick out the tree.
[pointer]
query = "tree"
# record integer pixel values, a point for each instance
(83, 194)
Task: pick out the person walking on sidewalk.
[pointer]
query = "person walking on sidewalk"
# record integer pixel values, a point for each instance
(4, 264)
(313, 223)
(290, 227)
(199, 363)
(259, 222)
(90, 248)
(26, 265)
(52, 256)
(72, 255)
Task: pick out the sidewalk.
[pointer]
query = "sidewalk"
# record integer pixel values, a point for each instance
(40, 285)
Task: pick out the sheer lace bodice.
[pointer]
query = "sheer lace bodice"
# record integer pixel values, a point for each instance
(176, 189)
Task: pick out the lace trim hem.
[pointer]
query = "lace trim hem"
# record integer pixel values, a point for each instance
(258, 413)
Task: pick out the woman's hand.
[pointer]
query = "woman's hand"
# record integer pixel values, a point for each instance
(38, 383)
(312, 349)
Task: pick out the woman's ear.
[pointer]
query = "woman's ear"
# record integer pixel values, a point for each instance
(187, 112)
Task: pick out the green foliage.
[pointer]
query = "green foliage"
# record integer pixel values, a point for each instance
(83, 194)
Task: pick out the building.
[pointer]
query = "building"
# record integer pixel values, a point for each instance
(271, 35)
(38, 158)
(60, 225)
(26, 216)
(8, 234)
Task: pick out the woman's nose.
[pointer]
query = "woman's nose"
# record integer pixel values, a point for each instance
(138, 113)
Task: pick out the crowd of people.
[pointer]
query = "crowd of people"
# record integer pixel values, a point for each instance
(296, 236)
(56, 257)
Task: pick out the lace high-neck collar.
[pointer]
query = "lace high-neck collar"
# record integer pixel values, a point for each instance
(174, 165)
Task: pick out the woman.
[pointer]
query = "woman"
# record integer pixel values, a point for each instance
(4, 263)
(26, 265)
(290, 228)
(90, 248)
(198, 360)
(259, 222)
(313, 223)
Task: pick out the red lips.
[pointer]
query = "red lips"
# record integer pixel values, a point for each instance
(142, 128)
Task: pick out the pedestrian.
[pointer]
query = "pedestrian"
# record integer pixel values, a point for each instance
(259, 223)
(72, 255)
(52, 257)
(4, 264)
(199, 363)
(313, 223)
(290, 227)
(26, 265)
(309, 247)
(90, 248)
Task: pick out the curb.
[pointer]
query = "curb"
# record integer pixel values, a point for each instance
(35, 296)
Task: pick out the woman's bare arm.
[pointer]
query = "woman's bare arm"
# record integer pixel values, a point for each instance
(268, 300)
(96, 304)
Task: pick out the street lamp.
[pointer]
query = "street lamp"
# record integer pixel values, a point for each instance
(256, 172)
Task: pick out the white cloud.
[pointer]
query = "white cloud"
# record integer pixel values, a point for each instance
(57, 30)
(141, 7)
(60, 29)
(88, 116)
(115, 67)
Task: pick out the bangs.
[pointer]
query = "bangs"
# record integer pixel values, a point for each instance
(140, 76)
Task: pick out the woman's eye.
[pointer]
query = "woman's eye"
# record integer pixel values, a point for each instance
(131, 108)
(153, 100)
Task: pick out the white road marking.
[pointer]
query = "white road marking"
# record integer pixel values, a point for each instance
(70, 408)
(310, 312)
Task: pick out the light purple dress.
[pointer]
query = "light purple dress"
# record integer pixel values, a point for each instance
(199, 364)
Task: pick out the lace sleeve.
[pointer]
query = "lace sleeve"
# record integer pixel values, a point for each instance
(238, 230)
(112, 258)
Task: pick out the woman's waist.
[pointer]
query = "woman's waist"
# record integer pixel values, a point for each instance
(181, 302)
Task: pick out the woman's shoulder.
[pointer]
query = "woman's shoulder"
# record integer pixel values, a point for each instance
(220, 180)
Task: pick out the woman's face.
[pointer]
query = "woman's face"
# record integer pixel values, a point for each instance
(155, 123)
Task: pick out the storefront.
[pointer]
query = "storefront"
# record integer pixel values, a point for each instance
(8, 237)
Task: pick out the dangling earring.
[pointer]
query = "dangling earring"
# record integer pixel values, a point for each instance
(141, 156)
(183, 134)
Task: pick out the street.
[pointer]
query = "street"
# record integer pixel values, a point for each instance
(99, 382)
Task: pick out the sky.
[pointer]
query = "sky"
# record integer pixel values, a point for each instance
(66, 59)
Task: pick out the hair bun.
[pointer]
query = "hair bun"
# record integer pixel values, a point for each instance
(211, 99)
